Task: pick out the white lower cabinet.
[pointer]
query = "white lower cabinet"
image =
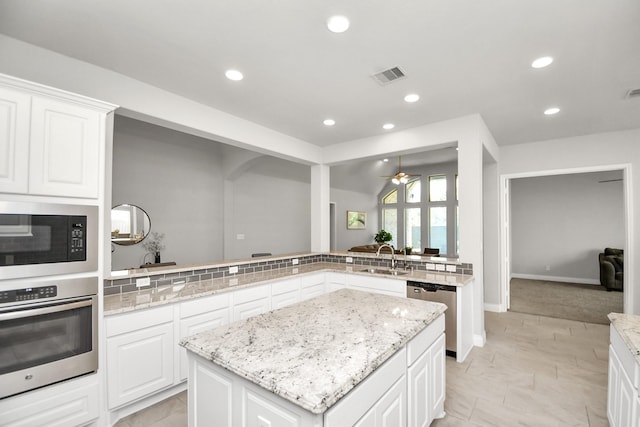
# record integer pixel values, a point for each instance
(140, 350)
(390, 410)
(312, 285)
(623, 403)
(426, 385)
(199, 315)
(70, 403)
(285, 292)
(250, 302)
(335, 281)
(380, 285)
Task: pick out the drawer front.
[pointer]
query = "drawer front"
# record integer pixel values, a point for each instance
(128, 322)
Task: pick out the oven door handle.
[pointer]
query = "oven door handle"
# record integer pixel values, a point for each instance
(19, 314)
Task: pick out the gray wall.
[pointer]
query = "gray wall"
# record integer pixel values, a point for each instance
(201, 194)
(560, 223)
(268, 209)
(177, 179)
(354, 201)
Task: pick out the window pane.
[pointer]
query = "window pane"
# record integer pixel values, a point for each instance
(438, 228)
(412, 229)
(437, 188)
(390, 223)
(413, 191)
(391, 197)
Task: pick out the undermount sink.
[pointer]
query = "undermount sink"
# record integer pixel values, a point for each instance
(384, 271)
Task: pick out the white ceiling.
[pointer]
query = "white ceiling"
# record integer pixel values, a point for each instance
(461, 56)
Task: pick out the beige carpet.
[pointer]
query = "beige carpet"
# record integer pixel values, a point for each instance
(584, 303)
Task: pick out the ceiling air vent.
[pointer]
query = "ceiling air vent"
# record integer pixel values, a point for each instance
(633, 93)
(387, 76)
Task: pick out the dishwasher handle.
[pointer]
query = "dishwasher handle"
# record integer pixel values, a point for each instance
(431, 287)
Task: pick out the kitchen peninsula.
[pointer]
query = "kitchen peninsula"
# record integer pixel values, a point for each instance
(342, 358)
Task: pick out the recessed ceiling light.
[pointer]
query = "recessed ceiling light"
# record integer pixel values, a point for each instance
(542, 62)
(385, 160)
(338, 24)
(329, 122)
(412, 97)
(551, 111)
(388, 126)
(234, 75)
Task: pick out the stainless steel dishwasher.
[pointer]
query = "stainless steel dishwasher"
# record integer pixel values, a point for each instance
(445, 294)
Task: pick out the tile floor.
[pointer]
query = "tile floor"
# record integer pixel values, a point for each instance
(533, 371)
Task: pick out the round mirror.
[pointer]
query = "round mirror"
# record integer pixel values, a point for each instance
(130, 224)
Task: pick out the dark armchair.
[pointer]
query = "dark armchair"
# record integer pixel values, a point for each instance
(612, 269)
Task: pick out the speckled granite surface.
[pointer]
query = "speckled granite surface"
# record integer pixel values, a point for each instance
(312, 353)
(145, 298)
(628, 326)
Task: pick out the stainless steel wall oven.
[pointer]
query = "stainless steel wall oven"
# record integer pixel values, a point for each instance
(39, 239)
(48, 332)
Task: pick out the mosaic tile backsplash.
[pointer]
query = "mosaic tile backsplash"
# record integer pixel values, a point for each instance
(128, 284)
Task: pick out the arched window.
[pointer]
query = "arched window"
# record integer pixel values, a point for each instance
(418, 216)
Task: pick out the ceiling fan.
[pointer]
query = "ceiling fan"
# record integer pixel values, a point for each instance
(400, 177)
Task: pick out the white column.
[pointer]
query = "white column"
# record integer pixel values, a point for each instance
(320, 189)
(471, 224)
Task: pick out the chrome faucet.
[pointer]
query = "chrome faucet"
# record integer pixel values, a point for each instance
(393, 254)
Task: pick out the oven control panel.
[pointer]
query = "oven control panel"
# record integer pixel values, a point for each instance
(27, 294)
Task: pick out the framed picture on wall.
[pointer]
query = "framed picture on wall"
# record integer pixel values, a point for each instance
(356, 220)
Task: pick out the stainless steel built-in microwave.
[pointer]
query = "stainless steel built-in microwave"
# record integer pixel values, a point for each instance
(39, 239)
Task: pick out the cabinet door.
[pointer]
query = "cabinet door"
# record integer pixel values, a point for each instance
(65, 149)
(193, 325)
(139, 363)
(620, 393)
(335, 281)
(14, 141)
(438, 367)
(390, 410)
(251, 302)
(419, 392)
(312, 286)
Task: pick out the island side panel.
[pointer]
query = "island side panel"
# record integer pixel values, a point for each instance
(218, 397)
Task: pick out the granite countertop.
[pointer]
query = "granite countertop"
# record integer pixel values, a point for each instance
(151, 297)
(628, 326)
(314, 360)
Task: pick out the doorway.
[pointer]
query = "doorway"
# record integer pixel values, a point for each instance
(508, 231)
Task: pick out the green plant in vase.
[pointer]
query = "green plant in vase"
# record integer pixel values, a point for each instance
(383, 237)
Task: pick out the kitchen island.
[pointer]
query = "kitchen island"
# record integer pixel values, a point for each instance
(344, 358)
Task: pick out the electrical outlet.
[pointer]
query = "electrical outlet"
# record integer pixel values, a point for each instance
(349, 260)
(240, 236)
(233, 270)
(143, 281)
(547, 268)
(294, 261)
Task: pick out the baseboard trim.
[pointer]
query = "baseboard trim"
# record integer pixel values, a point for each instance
(479, 340)
(495, 308)
(556, 279)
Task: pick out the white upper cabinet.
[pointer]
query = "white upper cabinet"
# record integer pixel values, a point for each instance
(65, 149)
(51, 141)
(14, 141)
